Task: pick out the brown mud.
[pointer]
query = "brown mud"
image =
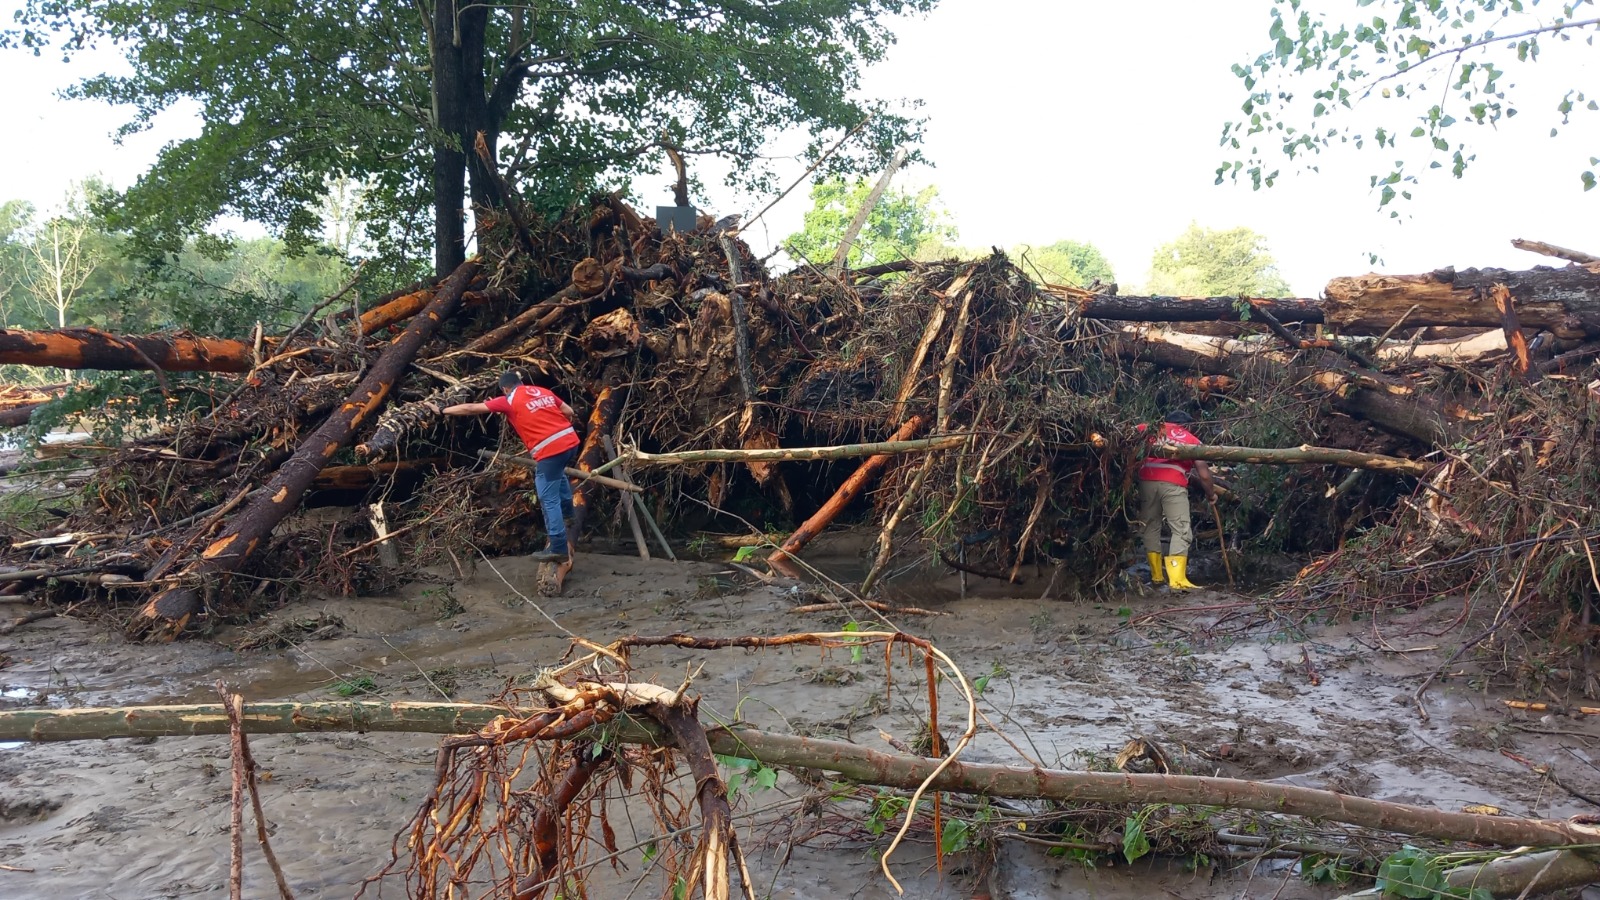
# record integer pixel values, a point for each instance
(131, 819)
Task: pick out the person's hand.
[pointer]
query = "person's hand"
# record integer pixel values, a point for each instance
(1211, 492)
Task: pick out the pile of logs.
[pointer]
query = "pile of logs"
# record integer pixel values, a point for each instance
(973, 415)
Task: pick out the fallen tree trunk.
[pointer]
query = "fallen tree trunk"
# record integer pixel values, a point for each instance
(1565, 302)
(1401, 413)
(793, 454)
(1540, 247)
(1302, 455)
(84, 348)
(1187, 309)
(14, 416)
(356, 478)
(166, 614)
(852, 761)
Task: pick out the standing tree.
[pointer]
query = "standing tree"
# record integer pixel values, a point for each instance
(900, 226)
(1077, 263)
(1418, 71)
(1203, 262)
(395, 96)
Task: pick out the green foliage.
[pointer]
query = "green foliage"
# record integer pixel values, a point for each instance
(1075, 263)
(857, 651)
(1414, 873)
(1209, 262)
(981, 683)
(1135, 843)
(747, 771)
(1422, 71)
(901, 226)
(350, 687)
(295, 96)
(883, 811)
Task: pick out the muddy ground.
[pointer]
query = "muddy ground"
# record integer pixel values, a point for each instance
(130, 819)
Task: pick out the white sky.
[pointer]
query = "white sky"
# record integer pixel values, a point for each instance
(1052, 119)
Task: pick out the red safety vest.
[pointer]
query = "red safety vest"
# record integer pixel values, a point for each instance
(1172, 471)
(536, 415)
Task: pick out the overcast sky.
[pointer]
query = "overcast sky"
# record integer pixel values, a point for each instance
(1095, 121)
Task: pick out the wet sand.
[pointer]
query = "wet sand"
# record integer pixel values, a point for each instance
(131, 819)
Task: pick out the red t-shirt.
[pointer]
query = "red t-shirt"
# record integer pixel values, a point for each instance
(536, 415)
(1172, 471)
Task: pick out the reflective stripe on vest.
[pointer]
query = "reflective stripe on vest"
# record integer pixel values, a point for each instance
(551, 440)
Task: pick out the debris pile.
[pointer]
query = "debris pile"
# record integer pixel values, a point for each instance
(973, 416)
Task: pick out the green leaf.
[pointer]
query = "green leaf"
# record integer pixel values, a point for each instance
(1418, 131)
(1588, 181)
(1134, 842)
(957, 835)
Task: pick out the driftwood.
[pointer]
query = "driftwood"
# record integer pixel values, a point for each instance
(1577, 256)
(851, 761)
(167, 613)
(1302, 455)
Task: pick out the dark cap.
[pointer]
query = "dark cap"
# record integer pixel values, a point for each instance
(511, 379)
(1178, 417)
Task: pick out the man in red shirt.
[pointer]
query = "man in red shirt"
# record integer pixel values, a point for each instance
(1164, 494)
(544, 422)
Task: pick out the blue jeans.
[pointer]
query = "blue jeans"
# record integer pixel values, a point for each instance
(555, 496)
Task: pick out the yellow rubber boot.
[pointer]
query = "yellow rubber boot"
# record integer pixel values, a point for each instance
(1157, 567)
(1178, 574)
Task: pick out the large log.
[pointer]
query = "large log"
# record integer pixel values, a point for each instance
(166, 614)
(793, 454)
(851, 761)
(1386, 406)
(1187, 309)
(1565, 302)
(14, 416)
(87, 348)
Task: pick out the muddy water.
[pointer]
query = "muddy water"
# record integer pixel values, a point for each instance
(124, 819)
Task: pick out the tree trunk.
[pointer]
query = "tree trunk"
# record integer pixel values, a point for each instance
(1565, 302)
(419, 416)
(168, 612)
(77, 348)
(796, 454)
(449, 141)
(15, 416)
(1186, 309)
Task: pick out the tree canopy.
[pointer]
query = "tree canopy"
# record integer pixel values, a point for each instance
(294, 95)
(1393, 75)
(902, 225)
(1076, 263)
(1205, 262)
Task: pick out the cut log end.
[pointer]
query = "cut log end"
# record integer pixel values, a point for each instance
(166, 615)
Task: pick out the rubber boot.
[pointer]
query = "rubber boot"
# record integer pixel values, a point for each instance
(549, 554)
(1157, 565)
(1178, 574)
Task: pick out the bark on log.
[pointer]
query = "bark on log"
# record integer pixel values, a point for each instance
(1540, 247)
(1565, 302)
(1186, 309)
(592, 452)
(356, 478)
(74, 348)
(1302, 455)
(15, 416)
(588, 279)
(794, 454)
(400, 422)
(850, 490)
(166, 614)
(396, 310)
(852, 761)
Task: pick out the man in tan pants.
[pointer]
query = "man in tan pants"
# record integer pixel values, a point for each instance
(1164, 496)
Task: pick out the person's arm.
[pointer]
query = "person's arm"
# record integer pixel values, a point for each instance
(1203, 472)
(465, 409)
(572, 415)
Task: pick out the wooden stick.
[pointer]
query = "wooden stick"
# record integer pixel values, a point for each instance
(528, 462)
(1027, 532)
(1222, 543)
(654, 528)
(1512, 328)
(793, 454)
(1545, 707)
(908, 383)
(851, 489)
(952, 356)
(1305, 454)
(852, 761)
(892, 524)
(1577, 256)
